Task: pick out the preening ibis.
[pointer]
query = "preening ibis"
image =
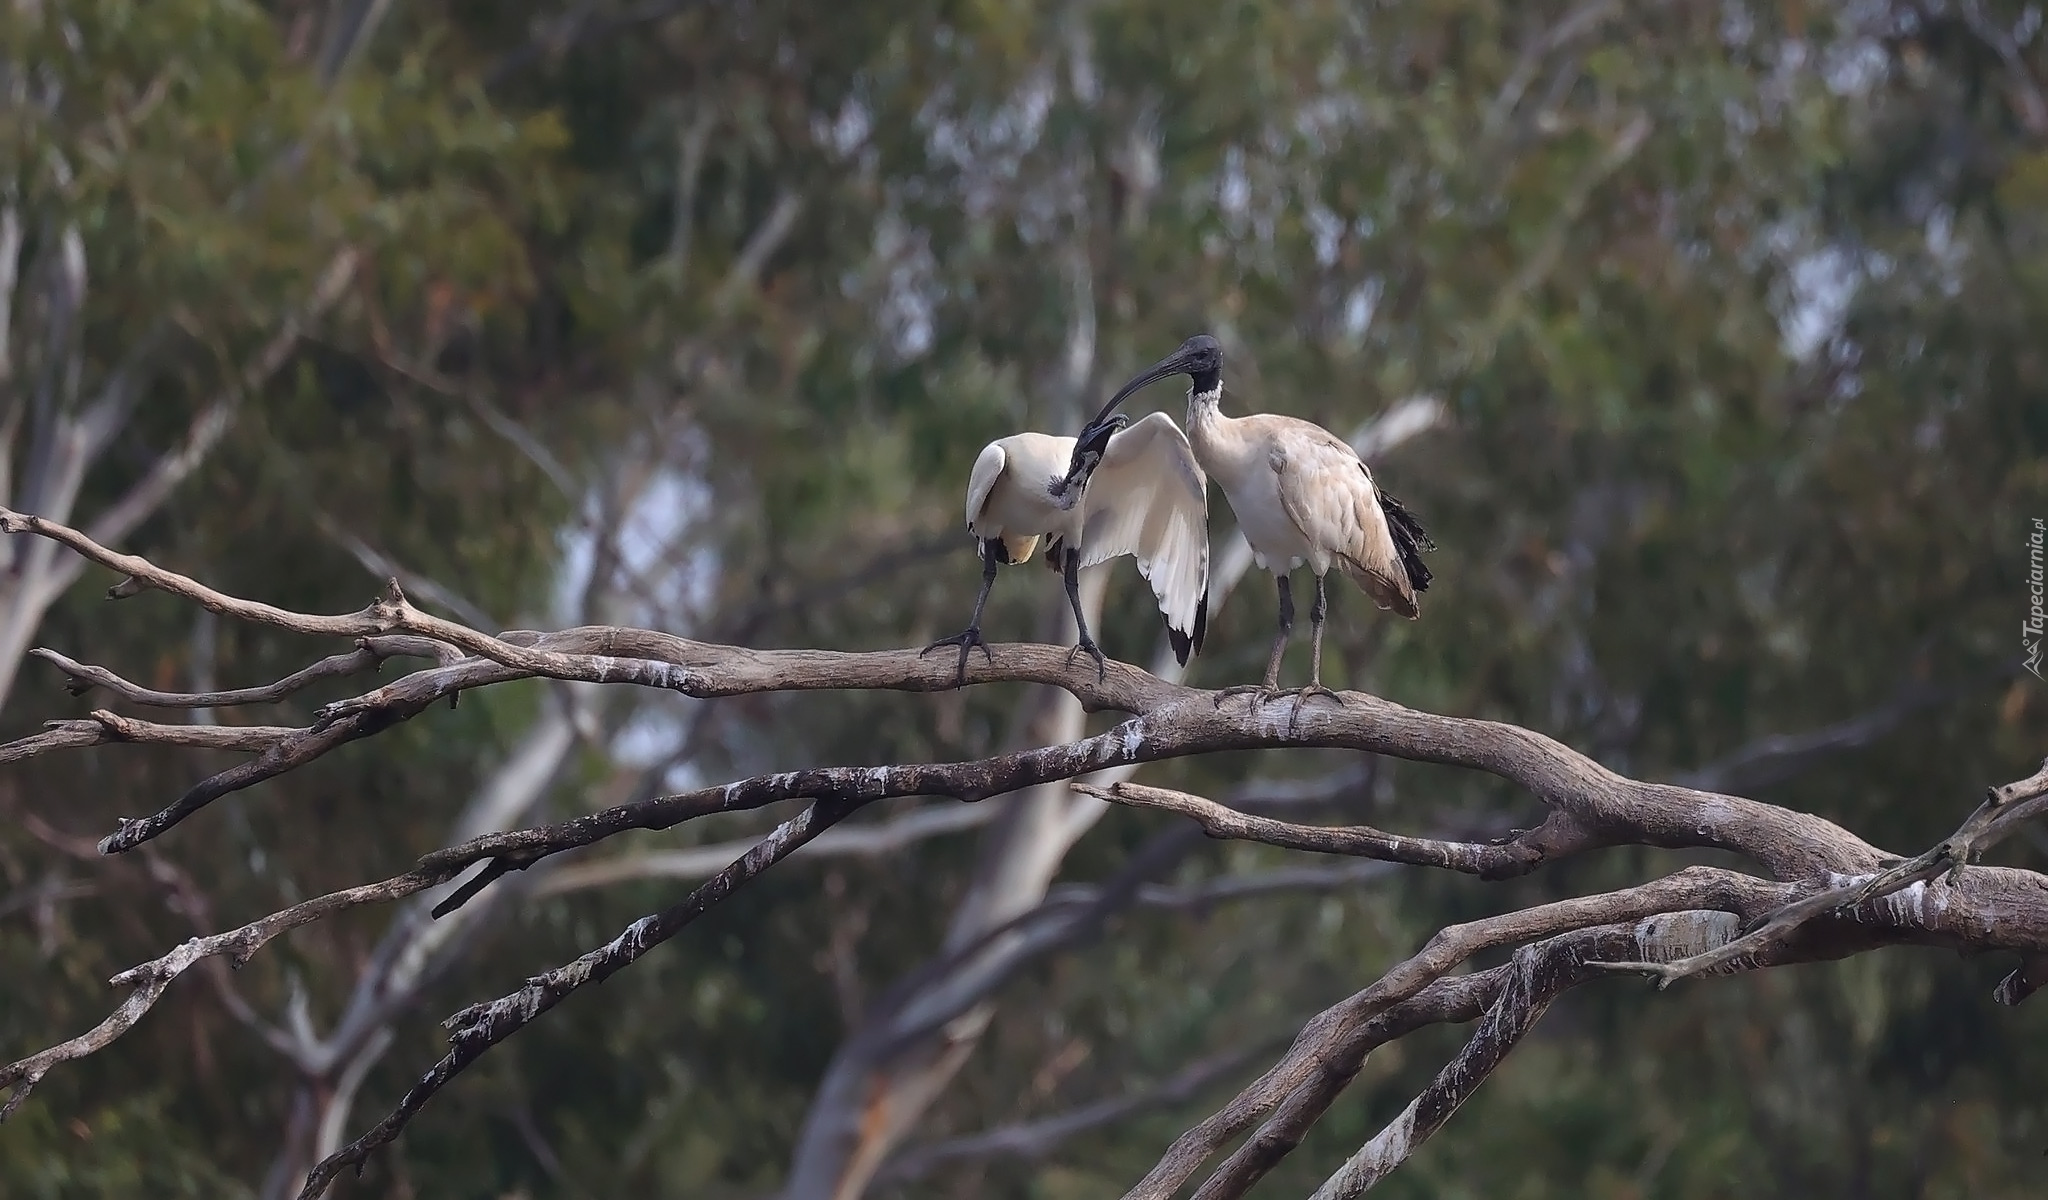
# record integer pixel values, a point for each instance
(1142, 494)
(1302, 496)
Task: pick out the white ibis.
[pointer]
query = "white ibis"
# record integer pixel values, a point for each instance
(1302, 496)
(1145, 497)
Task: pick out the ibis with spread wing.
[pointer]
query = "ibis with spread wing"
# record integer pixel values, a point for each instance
(1140, 492)
(1302, 497)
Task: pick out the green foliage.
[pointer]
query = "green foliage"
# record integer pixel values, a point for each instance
(1669, 528)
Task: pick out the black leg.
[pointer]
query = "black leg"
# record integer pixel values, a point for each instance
(969, 638)
(1286, 631)
(1265, 690)
(1087, 644)
(1316, 613)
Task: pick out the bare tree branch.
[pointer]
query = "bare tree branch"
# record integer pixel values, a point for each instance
(844, 841)
(103, 727)
(2002, 812)
(1828, 895)
(1511, 856)
(1536, 980)
(369, 654)
(1694, 887)
(477, 1028)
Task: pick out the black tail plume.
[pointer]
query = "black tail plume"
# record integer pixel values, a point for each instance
(1410, 539)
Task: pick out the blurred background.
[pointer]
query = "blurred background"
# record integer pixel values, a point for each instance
(1709, 340)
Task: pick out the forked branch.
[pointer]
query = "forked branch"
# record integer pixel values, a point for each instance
(1824, 892)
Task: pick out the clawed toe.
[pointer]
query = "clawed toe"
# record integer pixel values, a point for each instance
(967, 639)
(1259, 692)
(1088, 647)
(1302, 696)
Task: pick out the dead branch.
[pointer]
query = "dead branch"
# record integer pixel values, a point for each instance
(1828, 893)
(1503, 859)
(151, 978)
(477, 1028)
(369, 654)
(1539, 974)
(102, 727)
(1692, 888)
(846, 841)
(2004, 810)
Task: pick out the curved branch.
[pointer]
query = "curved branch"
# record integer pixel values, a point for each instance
(151, 978)
(1828, 893)
(102, 727)
(1690, 889)
(369, 654)
(851, 841)
(1792, 845)
(615, 655)
(1517, 855)
(2004, 809)
(1539, 974)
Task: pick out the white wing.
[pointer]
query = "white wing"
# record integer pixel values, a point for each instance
(1149, 499)
(987, 469)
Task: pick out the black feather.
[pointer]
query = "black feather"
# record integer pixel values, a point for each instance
(1410, 540)
(1185, 646)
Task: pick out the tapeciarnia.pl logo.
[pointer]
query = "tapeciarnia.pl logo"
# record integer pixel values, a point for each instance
(2037, 584)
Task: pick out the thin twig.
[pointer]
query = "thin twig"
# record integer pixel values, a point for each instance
(370, 652)
(1516, 855)
(477, 1028)
(102, 727)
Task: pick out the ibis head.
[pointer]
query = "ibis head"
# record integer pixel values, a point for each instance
(1200, 358)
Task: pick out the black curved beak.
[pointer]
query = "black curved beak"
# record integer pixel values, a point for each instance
(1094, 436)
(1172, 364)
(1089, 448)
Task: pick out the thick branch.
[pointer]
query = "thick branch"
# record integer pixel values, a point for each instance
(2004, 809)
(1503, 994)
(1540, 973)
(1692, 888)
(1792, 845)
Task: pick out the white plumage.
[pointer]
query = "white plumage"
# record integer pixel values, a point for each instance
(1302, 497)
(1147, 497)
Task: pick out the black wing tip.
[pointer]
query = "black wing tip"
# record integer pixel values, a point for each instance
(1410, 539)
(1185, 646)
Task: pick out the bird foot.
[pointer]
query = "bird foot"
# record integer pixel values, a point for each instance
(1259, 692)
(1088, 646)
(967, 639)
(1302, 696)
